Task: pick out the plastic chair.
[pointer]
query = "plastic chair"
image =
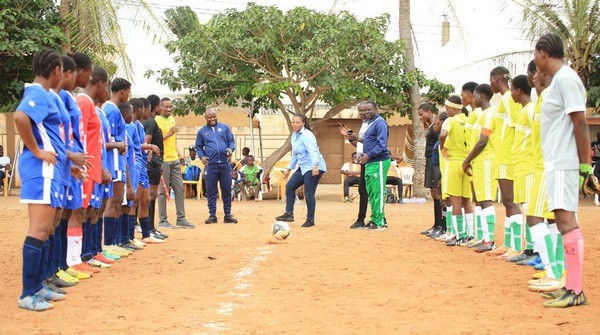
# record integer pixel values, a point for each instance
(407, 173)
(198, 183)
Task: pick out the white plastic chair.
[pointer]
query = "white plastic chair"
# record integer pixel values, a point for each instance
(407, 173)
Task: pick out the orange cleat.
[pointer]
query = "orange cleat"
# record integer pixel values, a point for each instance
(86, 267)
(81, 268)
(100, 257)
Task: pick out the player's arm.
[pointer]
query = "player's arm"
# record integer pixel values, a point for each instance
(582, 136)
(477, 149)
(23, 124)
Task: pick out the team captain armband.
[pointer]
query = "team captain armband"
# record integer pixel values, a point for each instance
(486, 132)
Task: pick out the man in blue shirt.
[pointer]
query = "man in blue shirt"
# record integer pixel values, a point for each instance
(376, 158)
(215, 145)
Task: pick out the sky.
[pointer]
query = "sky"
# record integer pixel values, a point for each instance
(482, 29)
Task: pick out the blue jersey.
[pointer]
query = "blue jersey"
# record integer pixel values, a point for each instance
(136, 143)
(107, 160)
(130, 157)
(117, 131)
(64, 130)
(45, 125)
(142, 135)
(76, 130)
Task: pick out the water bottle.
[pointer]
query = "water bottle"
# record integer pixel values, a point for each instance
(172, 193)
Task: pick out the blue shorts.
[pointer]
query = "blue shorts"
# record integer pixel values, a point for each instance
(129, 203)
(108, 190)
(144, 182)
(121, 176)
(74, 200)
(97, 196)
(44, 191)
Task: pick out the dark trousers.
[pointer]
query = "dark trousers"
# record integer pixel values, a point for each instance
(395, 181)
(350, 181)
(310, 183)
(218, 173)
(363, 196)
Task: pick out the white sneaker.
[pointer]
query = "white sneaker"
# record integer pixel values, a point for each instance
(151, 239)
(138, 243)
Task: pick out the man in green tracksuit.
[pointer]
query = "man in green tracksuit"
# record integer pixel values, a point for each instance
(376, 158)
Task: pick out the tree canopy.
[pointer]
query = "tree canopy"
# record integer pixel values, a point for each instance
(25, 27)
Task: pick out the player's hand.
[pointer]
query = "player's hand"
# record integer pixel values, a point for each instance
(229, 152)
(467, 168)
(445, 153)
(286, 174)
(106, 177)
(315, 170)
(130, 194)
(363, 158)
(205, 160)
(122, 147)
(80, 159)
(174, 130)
(46, 156)
(155, 149)
(78, 173)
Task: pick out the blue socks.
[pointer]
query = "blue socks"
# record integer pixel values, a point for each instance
(109, 230)
(131, 227)
(98, 241)
(86, 247)
(124, 231)
(50, 267)
(62, 232)
(32, 258)
(145, 225)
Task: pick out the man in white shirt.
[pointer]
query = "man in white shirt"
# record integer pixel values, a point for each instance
(4, 164)
(352, 171)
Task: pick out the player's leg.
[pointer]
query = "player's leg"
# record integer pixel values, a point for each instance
(310, 187)
(295, 180)
(513, 212)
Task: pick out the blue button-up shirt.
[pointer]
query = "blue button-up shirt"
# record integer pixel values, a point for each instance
(305, 152)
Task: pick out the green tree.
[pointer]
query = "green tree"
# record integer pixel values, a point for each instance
(25, 27)
(261, 56)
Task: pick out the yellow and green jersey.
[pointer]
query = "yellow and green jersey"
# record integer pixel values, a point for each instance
(456, 141)
(506, 117)
(536, 134)
(472, 127)
(488, 126)
(522, 145)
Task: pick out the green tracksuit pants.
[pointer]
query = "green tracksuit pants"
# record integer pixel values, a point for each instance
(375, 178)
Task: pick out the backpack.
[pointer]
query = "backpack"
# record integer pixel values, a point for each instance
(192, 172)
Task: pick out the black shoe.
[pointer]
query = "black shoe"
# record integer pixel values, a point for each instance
(401, 202)
(433, 232)
(358, 225)
(308, 223)
(155, 234)
(185, 224)
(53, 287)
(159, 233)
(60, 283)
(229, 219)
(438, 233)
(373, 226)
(428, 231)
(287, 217)
(165, 225)
(454, 242)
(211, 219)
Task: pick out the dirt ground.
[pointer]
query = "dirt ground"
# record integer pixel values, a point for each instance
(229, 279)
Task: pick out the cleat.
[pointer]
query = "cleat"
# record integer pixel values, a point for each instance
(161, 234)
(86, 268)
(115, 250)
(435, 231)
(152, 240)
(373, 226)
(131, 246)
(61, 283)
(569, 299)
(157, 236)
(539, 275)
(54, 288)
(476, 244)
(62, 275)
(485, 247)
(467, 240)
(509, 254)
(498, 252)
(437, 234)
(34, 303)
(547, 284)
(110, 255)
(103, 259)
(186, 225)
(358, 225)
(97, 263)
(456, 242)
(445, 237)
(166, 225)
(137, 242)
(211, 219)
(50, 295)
(539, 266)
(528, 259)
(554, 294)
(230, 219)
(517, 258)
(533, 262)
(428, 231)
(77, 274)
(286, 217)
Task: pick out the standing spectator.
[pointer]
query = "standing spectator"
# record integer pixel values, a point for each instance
(4, 164)
(311, 166)
(215, 145)
(376, 158)
(352, 172)
(171, 168)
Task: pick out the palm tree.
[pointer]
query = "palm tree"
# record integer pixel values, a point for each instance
(92, 26)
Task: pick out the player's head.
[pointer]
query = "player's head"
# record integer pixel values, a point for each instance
(466, 93)
(155, 108)
(103, 95)
(482, 95)
(146, 103)
(245, 151)
(531, 71)
(250, 160)
(127, 111)
(211, 117)
(167, 106)
(425, 112)
(85, 67)
(453, 105)
(99, 81)
(520, 89)
(121, 89)
(549, 48)
(69, 73)
(499, 78)
(138, 108)
(439, 121)
(47, 64)
(368, 109)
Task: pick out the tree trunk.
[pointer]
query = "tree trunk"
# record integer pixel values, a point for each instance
(63, 12)
(417, 149)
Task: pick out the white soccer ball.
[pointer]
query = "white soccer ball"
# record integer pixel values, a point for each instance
(280, 230)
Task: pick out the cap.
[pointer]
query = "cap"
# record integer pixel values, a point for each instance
(192, 148)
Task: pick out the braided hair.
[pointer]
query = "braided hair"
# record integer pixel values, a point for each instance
(531, 67)
(485, 89)
(119, 84)
(99, 75)
(136, 103)
(154, 101)
(501, 71)
(551, 44)
(68, 63)
(82, 60)
(45, 61)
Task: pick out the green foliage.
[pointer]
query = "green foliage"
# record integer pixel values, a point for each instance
(593, 98)
(25, 27)
(257, 56)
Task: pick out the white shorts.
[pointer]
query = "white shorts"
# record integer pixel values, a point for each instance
(562, 188)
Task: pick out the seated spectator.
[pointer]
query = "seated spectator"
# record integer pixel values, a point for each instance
(250, 182)
(393, 179)
(596, 153)
(192, 155)
(4, 165)
(245, 154)
(352, 172)
(193, 172)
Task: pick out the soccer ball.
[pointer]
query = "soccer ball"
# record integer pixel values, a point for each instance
(280, 230)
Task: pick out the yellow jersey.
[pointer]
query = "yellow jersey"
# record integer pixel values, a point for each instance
(506, 117)
(456, 141)
(536, 134)
(488, 126)
(165, 124)
(522, 145)
(473, 129)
